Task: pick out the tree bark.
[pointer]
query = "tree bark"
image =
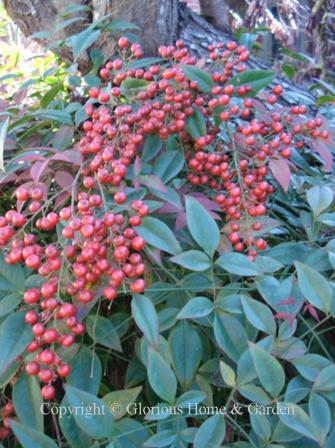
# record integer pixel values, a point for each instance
(160, 22)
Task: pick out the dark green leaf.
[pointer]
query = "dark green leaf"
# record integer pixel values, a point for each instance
(86, 371)
(202, 226)
(230, 335)
(168, 165)
(196, 125)
(298, 420)
(238, 264)
(15, 335)
(320, 415)
(269, 371)
(30, 438)
(259, 315)
(196, 307)
(314, 287)
(146, 318)
(98, 424)
(211, 433)
(9, 303)
(161, 377)
(83, 41)
(123, 399)
(152, 146)
(159, 235)
(28, 402)
(257, 79)
(194, 260)
(103, 332)
(319, 198)
(13, 274)
(203, 79)
(72, 432)
(186, 350)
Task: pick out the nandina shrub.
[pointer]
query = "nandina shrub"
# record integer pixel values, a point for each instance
(177, 248)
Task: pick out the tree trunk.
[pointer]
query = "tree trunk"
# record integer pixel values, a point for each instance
(160, 22)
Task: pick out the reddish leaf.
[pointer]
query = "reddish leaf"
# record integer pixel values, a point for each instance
(153, 182)
(20, 96)
(38, 169)
(180, 221)
(64, 180)
(321, 147)
(61, 199)
(281, 172)
(30, 158)
(137, 166)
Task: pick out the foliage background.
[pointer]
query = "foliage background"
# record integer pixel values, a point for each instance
(215, 331)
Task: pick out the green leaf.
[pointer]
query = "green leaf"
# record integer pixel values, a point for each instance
(238, 264)
(230, 335)
(161, 377)
(325, 381)
(202, 226)
(257, 79)
(310, 365)
(327, 219)
(319, 198)
(83, 41)
(9, 303)
(314, 287)
(261, 425)
(72, 432)
(15, 335)
(53, 115)
(145, 62)
(269, 371)
(98, 424)
(228, 374)
(28, 402)
(196, 125)
(195, 308)
(86, 371)
(267, 264)
(248, 40)
(168, 165)
(68, 22)
(152, 146)
(254, 393)
(50, 95)
(131, 86)
(121, 398)
(30, 438)
(75, 8)
(190, 397)
(121, 25)
(167, 318)
(103, 332)
(203, 79)
(259, 315)
(13, 274)
(146, 318)
(297, 419)
(3, 133)
(186, 350)
(159, 235)
(211, 433)
(320, 415)
(194, 260)
(41, 35)
(161, 439)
